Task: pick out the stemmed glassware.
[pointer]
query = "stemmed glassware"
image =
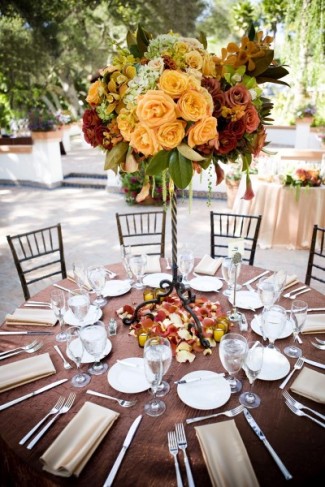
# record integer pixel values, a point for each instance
(298, 317)
(186, 264)
(58, 305)
(138, 264)
(273, 322)
(94, 339)
(163, 344)
(232, 352)
(252, 367)
(154, 369)
(75, 350)
(126, 253)
(97, 279)
(79, 274)
(280, 278)
(79, 304)
(267, 291)
(228, 269)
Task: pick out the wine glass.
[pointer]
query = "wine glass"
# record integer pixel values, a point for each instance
(125, 255)
(232, 352)
(79, 304)
(94, 339)
(138, 264)
(97, 279)
(267, 291)
(186, 264)
(79, 274)
(252, 367)
(58, 305)
(228, 269)
(75, 350)
(153, 367)
(298, 317)
(166, 353)
(273, 322)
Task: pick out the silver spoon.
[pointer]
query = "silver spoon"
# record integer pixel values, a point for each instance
(36, 347)
(24, 349)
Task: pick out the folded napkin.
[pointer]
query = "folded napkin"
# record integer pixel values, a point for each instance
(71, 277)
(225, 455)
(24, 371)
(74, 446)
(314, 324)
(290, 279)
(311, 384)
(208, 265)
(153, 264)
(36, 317)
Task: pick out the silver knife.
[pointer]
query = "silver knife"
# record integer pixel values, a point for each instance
(126, 444)
(196, 379)
(315, 364)
(315, 309)
(255, 278)
(31, 394)
(252, 423)
(26, 332)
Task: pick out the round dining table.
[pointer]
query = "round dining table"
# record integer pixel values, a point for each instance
(299, 442)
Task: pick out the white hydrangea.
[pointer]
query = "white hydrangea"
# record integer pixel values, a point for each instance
(192, 43)
(146, 79)
(161, 44)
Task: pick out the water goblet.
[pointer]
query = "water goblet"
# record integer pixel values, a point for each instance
(97, 279)
(232, 352)
(75, 350)
(273, 322)
(126, 253)
(186, 264)
(79, 274)
(138, 265)
(94, 339)
(229, 272)
(267, 291)
(163, 344)
(252, 367)
(79, 304)
(58, 305)
(153, 367)
(298, 317)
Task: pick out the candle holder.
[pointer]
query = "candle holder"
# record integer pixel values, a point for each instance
(235, 316)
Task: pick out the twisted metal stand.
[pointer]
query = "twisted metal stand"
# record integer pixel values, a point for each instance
(185, 295)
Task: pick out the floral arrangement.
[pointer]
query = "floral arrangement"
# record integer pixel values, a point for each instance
(169, 319)
(132, 184)
(168, 104)
(303, 178)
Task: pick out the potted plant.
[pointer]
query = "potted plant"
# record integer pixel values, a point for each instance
(43, 124)
(305, 112)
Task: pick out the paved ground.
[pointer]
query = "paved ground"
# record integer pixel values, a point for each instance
(89, 228)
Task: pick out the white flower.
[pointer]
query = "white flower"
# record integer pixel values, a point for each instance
(156, 64)
(253, 94)
(236, 78)
(192, 43)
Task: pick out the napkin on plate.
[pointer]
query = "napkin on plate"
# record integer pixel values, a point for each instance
(311, 384)
(208, 265)
(74, 446)
(24, 371)
(35, 317)
(314, 324)
(71, 277)
(153, 264)
(225, 455)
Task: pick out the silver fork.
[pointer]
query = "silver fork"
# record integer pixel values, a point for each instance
(182, 443)
(173, 449)
(297, 366)
(318, 345)
(26, 347)
(299, 405)
(293, 296)
(122, 402)
(298, 412)
(66, 364)
(33, 349)
(231, 413)
(287, 295)
(54, 410)
(64, 409)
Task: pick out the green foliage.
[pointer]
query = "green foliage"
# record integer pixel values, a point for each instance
(41, 120)
(132, 184)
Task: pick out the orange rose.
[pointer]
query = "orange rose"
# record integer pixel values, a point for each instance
(155, 108)
(208, 66)
(202, 131)
(174, 83)
(171, 134)
(144, 140)
(251, 118)
(93, 97)
(194, 59)
(193, 106)
(126, 123)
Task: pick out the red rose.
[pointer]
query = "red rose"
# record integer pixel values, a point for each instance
(227, 142)
(219, 101)
(237, 95)
(237, 128)
(90, 136)
(90, 118)
(251, 118)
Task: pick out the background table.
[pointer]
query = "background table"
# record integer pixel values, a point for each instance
(298, 441)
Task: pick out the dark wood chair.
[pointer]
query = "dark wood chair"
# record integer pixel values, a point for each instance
(38, 255)
(146, 229)
(316, 261)
(228, 226)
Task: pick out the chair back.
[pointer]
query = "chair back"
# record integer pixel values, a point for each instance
(225, 227)
(143, 229)
(38, 255)
(316, 260)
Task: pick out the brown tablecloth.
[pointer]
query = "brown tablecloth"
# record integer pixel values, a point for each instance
(298, 441)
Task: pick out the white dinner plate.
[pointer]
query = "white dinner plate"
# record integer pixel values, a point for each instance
(275, 365)
(285, 334)
(93, 315)
(204, 394)
(116, 288)
(247, 300)
(128, 379)
(206, 284)
(86, 357)
(154, 280)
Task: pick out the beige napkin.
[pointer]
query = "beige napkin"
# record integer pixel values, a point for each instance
(314, 324)
(24, 371)
(36, 317)
(70, 276)
(290, 279)
(153, 264)
(74, 446)
(225, 455)
(208, 265)
(311, 384)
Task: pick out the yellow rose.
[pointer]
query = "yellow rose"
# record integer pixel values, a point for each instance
(194, 60)
(202, 131)
(93, 97)
(181, 47)
(144, 140)
(174, 83)
(193, 106)
(208, 66)
(155, 108)
(209, 100)
(171, 134)
(126, 123)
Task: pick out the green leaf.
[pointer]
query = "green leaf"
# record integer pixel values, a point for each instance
(189, 153)
(262, 79)
(206, 163)
(135, 51)
(275, 72)
(143, 39)
(131, 39)
(251, 32)
(116, 155)
(158, 163)
(247, 159)
(203, 39)
(180, 170)
(262, 63)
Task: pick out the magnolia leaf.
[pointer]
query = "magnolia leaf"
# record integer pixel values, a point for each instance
(131, 164)
(262, 63)
(262, 79)
(251, 32)
(116, 155)
(131, 39)
(180, 170)
(189, 153)
(158, 163)
(135, 51)
(247, 159)
(203, 39)
(143, 38)
(206, 162)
